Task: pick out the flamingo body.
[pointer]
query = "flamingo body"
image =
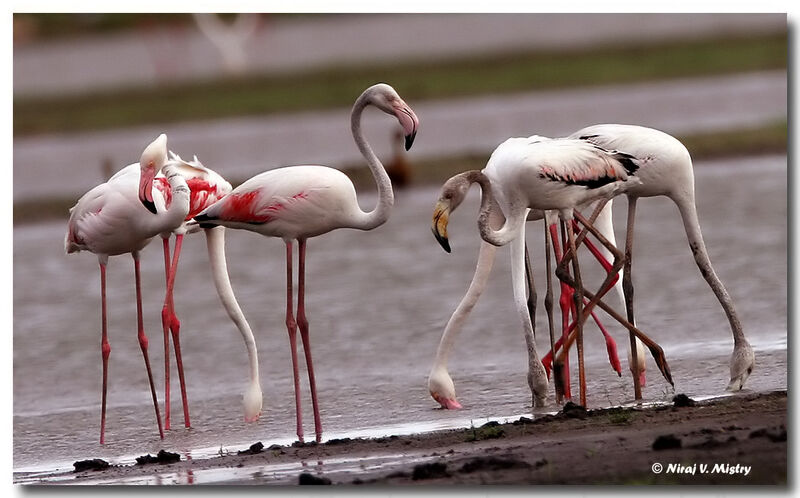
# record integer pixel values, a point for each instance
(291, 203)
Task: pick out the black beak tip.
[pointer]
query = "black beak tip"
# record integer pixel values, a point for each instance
(150, 205)
(442, 240)
(410, 139)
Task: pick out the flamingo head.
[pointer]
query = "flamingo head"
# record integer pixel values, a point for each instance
(742, 362)
(151, 162)
(385, 98)
(451, 196)
(252, 402)
(442, 389)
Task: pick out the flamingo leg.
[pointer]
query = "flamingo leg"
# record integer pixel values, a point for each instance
(302, 324)
(105, 349)
(562, 379)
(165, 319)
(579, 312)
(291, 327)
(143, 338)
(175, 327)
(531, 302)
(611, 345)
(627, 289)
(548, 306)
(655, 349)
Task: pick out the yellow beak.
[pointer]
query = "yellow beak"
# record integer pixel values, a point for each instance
(441, 216)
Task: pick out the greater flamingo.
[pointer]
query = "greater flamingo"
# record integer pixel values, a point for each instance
(298, 202)
(546, 174)
(111, 219)
(665, 169)
(206, 187)
(453, 192)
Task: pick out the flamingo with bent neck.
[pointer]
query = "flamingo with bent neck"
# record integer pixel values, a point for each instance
(665, 169)
(544, 174)
(299, 202)
(206, 187)
(112, 219)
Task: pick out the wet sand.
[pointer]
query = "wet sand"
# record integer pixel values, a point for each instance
(741, 439)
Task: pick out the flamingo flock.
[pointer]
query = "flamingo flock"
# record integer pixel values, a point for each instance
(525, 179)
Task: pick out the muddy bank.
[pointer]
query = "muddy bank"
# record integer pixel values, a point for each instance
(735, 440)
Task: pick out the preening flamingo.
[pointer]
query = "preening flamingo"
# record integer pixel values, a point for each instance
(111, 219)
(545, 174)
(666, 169)
(298, 202)
(206, 187)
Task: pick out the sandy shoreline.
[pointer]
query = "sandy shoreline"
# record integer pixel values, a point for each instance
(734, 440)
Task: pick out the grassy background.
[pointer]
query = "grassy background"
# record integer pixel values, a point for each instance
(336, 87)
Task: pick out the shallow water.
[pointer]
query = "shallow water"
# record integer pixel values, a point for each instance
(377, 303)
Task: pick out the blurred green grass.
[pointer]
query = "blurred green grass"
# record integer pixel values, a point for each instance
(770, 138)
(415, 81)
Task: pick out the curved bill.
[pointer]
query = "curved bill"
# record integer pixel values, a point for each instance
(409, 122)
(146, 189)
(441, 216)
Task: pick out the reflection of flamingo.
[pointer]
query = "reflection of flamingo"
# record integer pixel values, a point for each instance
(111, 219)
(206, 187)
(537, 173)
(298, 202)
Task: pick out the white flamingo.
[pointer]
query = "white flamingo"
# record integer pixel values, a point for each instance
(298, 202)
(544, 174)
(111, 219)
(665, 169)
(440, 383)
(206, 187)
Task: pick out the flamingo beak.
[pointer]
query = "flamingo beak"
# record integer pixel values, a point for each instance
(446, 403)
(146, 188)
(409, 122)
(441, 216)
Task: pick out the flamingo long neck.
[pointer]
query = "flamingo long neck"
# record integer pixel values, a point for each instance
(691, 224)
(514, 220)
(174, 215)
(483, 269)
(215, 241)
(379, 215)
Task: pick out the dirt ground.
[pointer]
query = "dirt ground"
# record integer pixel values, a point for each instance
(735, 440)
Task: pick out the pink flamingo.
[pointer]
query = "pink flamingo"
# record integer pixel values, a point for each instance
(111, 219)
(298, 202)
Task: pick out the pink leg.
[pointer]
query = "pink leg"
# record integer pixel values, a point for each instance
(143, 339)
(175, 327)
(565, 302)
(291, 327)
(105, 349)
(302, 323)
(165, 319)
(611, 345)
